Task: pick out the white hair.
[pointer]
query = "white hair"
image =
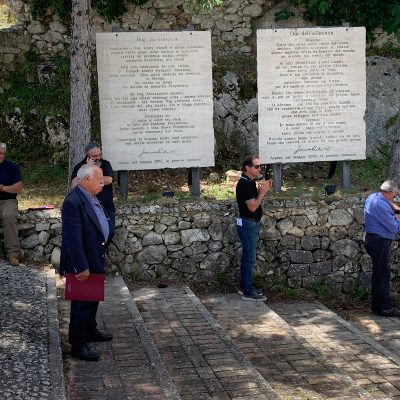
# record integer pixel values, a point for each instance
(3, 146)
(389, 186)
(85, 170)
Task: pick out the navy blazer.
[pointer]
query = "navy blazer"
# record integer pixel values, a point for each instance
(83, 245)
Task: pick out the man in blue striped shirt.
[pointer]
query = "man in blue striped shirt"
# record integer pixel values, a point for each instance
(381, 227)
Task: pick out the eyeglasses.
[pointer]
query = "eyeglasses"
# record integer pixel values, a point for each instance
(257, 166)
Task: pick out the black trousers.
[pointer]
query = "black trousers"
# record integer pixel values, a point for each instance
(379, 250)
(82, 324)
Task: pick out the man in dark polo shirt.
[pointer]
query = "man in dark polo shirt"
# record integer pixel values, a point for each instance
(10, 186)
(249, 196)
(93, 155)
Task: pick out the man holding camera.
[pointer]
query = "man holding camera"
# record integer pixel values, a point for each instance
(249, 196)
(93, 156)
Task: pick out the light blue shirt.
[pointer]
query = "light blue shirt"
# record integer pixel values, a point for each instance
(98, 209)
(379, 217)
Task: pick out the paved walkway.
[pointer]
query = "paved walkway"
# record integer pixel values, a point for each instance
(170, 345)
(372, 367)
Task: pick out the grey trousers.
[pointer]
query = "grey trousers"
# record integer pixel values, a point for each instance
(9, 212)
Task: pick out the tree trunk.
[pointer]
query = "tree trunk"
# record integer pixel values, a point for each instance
(80, 81)
(394, 167)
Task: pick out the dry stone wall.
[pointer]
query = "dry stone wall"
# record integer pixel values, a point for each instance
(302, 242)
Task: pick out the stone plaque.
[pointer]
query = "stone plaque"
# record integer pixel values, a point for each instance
(156, 104)
(311, 94)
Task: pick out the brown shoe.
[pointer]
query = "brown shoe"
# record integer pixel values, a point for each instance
(13, 260)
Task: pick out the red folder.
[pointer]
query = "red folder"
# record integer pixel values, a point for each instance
(90, 290)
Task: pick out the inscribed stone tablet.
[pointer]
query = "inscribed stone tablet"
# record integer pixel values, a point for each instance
(156, 105)
(312, 94)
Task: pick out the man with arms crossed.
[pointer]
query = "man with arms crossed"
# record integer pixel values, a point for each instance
(381, 227)
(10, 186)
(249, 198)
(84, 235)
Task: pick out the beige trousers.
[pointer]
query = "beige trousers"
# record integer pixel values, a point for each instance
(8, 213)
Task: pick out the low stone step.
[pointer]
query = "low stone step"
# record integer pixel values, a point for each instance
(382, 330)
(200, 357)
(374, 368)
(294, 368)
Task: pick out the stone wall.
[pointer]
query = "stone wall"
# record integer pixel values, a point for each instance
(301, 241)
(233, 27)
(14, 43)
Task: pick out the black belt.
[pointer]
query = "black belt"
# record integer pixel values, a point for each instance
(251, 219)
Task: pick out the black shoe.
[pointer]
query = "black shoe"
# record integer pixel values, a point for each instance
(393, 312)
(87, 352)
(101, 337)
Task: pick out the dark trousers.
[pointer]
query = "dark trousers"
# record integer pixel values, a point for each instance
(110, 214)
(378, 249)
(82, 324)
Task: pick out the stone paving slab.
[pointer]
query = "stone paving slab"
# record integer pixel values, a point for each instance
(30, 354)
(127, 369)
(292, 367)
(366, 362)
(201, 359)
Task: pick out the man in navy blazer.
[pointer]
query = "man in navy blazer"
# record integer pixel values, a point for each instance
(85, 232)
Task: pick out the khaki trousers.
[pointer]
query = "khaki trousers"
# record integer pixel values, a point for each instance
(8, 213)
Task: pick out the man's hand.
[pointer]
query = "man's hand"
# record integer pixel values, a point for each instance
(83, 276)
(396, 208)
(90, 160)
(264, 186)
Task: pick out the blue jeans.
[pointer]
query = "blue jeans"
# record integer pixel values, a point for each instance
(378, 249)
(248, 234)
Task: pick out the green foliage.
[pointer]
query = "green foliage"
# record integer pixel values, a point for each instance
(359, 293)
(38, 8)
(203, 6)
(245, 68)
(370, 173)
(392, 121)
(218, 192)
(32, 98)
(45, 173)
(387, 50)
(109, 9)
(320, 288)
(283, 15)
(369, 13)
(229, 152)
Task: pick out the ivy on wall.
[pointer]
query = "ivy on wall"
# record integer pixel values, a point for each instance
(369, 13)
(108, 9)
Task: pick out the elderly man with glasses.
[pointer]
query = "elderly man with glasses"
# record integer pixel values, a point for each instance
(249, 197)
(381, 227)
(94, 156)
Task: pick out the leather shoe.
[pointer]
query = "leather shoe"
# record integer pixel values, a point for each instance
(13, 260)
(101, 337)
(87, 352)
(393, 312)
